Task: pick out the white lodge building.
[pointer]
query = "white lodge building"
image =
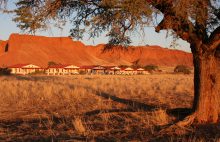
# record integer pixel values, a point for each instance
(128, 71)
(98, 70)
(62, 70)
(24, 69)
(142, 71)
(113, 70)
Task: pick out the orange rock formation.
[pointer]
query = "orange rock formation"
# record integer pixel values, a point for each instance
(40, 50)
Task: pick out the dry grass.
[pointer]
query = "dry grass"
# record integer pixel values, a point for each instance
(99, 108)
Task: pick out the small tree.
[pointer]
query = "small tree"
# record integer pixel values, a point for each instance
(82, 72)
(136, 64)
(151, 68)
(123, 66)
(5, 71)
(52, 63)
(182, 69)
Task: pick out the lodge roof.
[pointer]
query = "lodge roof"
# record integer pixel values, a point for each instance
(87, 67)
(140, 69)
(21, 66)
(18, 66)
(61, 66)
(114, 68)
(94, 67)
(99, 68)
(127, 69)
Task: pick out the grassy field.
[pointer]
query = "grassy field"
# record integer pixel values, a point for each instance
(97, 108)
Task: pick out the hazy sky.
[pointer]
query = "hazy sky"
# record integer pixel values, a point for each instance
(7, 26)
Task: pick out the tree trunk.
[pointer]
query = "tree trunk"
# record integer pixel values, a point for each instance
(206, 87)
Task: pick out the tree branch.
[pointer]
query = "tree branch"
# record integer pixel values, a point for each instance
(180, 24)
(214, 39)
(182, 30)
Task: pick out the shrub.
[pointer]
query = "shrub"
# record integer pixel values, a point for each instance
(151, 68)
(136, 66)
(82, 72)
(5, 71)
(52, 63)
(123, 66)
(182, 69)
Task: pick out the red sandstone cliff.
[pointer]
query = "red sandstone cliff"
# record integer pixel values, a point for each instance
(2, 46)
(40, 50)
(143, 55)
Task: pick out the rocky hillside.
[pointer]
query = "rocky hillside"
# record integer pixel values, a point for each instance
(2, 46)
(40, 50)
(142, 55)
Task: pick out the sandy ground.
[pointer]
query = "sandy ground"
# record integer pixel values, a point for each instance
(97, 108)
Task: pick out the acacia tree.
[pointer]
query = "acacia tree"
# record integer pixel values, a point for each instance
(195, 21)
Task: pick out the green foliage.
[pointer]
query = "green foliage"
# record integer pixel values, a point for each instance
(182, 69)
(136, 64)
(28, 19)
(115, 17)
(151, 68)
(123, 66)
(189, 19)
(52, 63)
(5, 71)
(82, 72)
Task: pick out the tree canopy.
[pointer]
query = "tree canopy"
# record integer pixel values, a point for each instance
(190, 20)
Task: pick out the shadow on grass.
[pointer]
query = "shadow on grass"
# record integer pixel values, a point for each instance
(98, 111)
(34, 78)
(134, 106)
(130, 103)
(179, 113)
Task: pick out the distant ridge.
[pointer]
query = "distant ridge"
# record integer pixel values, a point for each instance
(40, 50)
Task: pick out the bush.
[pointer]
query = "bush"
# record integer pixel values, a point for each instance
(123, 66)
(5, 71)
(52, 63)
(151, 68)
(182, 69)
(82, 72)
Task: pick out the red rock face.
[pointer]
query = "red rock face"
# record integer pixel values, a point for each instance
(40, 50)
(143, 55)
(2, 46)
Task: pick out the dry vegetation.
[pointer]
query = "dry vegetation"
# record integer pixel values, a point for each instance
(99, 108)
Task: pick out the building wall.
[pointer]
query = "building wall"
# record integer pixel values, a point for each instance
(98, 71)
(86, 71)
(71, 71)
(127, 72)
(22, 71)
(17, 71)
(61, 71)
